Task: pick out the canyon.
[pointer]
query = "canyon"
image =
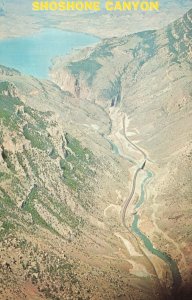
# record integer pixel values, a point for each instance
(69, 149)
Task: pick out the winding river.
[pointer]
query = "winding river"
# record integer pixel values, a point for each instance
(176, 277)
(148, 244)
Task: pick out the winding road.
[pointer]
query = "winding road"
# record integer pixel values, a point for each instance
(125, 205)
(128, 200)
(176, 277)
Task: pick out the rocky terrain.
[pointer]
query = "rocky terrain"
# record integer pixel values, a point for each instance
(148, 76)
(66, 167)
(58, 176)
(57, 227)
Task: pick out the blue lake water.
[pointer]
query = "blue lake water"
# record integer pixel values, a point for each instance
(33, 54)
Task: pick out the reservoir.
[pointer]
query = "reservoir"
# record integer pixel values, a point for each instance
(33, 54)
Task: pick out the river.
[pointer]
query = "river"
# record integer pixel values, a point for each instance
(176, 277)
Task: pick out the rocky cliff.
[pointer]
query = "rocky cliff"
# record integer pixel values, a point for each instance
(148, 76)
(63, 181)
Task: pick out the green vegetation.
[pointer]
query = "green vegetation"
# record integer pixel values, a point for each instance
(172, 41)
(150, 45)
(69, 217)
(1, 137)
(6, 200)
(182, 47)
(28, 206)
(13, 118)
(76, 167)
(187, 22)
(8, 226)
(114, 92)
(102, 50)
(81, 153)
(147, 45)
(32, 162)
(68, 174)
(37, 134)
(7, 208)
(38, 116)
(37, 137)
(22, 244)
(53, 153)
(4, 86)
(8, 105)
(8, 159)
(20, 158)
(61, 211)
(88, 66)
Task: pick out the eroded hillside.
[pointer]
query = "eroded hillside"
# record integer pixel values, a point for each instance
(61, 187)
(147, 76)
(67, 164)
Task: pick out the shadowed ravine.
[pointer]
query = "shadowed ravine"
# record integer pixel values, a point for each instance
(176, 277)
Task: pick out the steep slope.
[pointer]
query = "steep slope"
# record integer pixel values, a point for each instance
(148, 77)
(63, 181)
(61, 187)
